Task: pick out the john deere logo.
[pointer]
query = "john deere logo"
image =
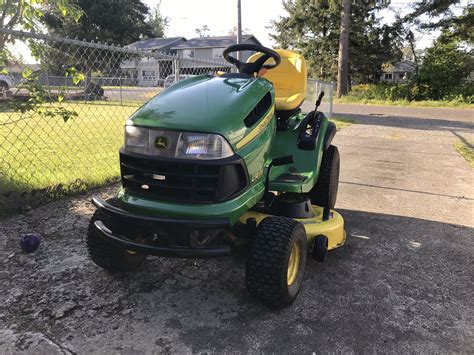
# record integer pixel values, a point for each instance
(161, 143)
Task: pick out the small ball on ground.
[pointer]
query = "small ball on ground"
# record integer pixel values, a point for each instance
(30, 242)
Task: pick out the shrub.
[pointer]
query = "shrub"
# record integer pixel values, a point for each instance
(412, 91)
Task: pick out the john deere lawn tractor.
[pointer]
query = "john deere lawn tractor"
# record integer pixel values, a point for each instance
(217, 160)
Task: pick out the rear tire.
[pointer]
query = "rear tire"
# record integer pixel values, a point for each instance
(276, 262)
(106, 254)
(324, 193)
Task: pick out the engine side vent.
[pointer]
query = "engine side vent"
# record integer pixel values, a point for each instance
(259, 110)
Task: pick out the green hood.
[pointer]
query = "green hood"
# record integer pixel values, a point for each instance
(205, 104)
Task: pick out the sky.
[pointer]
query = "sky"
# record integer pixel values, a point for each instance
(221, 16)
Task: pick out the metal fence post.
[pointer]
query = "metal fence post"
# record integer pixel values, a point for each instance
(121, 100)
(176, 69)
(331, 98)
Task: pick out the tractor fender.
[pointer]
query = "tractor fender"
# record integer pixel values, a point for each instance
(330, 133)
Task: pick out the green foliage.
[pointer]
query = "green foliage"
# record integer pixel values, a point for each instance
(466, 149)
(77, 77)
(442, 17)
(443, 76)
(119, 23)
(444, 71)
(157, 22)
(406, 92)
(313, 26)
(28, 14)
(39, 100)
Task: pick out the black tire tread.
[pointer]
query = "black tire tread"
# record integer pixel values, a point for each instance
(324, 192)
(106, 254)
(266, 270)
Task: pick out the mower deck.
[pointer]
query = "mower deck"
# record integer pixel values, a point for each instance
(333, 228)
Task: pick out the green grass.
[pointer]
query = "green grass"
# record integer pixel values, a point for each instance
(467, 152)
(404, 103)
(45, 157)
(42, 159)
(342, 122)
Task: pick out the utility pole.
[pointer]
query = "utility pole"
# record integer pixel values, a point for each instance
(343, 64)
(239, 26)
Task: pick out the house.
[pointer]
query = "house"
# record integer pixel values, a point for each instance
(150, 71)
(199, 55)
(162, 45)
(399, 72)
(211, 48)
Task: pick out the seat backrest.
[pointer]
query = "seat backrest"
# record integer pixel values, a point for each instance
(289, 79)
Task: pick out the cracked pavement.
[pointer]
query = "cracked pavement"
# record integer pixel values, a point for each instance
(402, 283)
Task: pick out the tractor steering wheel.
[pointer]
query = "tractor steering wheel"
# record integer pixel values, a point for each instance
(254, 67)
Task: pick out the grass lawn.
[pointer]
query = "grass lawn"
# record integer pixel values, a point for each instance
(43, 158)
(441, 104)
(51, 155)
(342, 122)
(467, 151)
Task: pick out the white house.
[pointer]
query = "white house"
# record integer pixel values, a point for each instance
(398, 73)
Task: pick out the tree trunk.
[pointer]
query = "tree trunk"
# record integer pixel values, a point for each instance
(343, 64)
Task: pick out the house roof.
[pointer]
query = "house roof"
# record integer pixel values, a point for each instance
(214, 42)
(403, 66)
(154, 43)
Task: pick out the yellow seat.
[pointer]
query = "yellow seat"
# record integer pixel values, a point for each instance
(288, 79)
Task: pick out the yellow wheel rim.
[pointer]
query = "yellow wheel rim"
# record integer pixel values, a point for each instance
(293, 263)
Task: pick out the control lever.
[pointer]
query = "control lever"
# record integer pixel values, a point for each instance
(311, 121)
(275, 162)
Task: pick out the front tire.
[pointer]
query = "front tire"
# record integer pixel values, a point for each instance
(276, 262)
(107, 254)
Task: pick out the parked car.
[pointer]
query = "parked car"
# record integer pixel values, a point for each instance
(171, 79)
(6, 82)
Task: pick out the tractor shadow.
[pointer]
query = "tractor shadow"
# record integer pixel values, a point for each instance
(395, 278)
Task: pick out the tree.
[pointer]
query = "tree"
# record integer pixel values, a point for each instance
(313, 27)
(28, 14)
(157, 22)
(445, 69)
(102, 22)
(233, 31)
(203, 31)
(442, 17)
(343, 61)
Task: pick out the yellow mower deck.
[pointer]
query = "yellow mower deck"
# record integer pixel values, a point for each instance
(333, 228)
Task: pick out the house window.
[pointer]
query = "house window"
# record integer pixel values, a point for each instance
(188, 53)
(401, 75)
(148, 75)
(388, 76)
(217, 53)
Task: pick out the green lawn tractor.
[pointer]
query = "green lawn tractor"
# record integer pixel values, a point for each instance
(217, 160)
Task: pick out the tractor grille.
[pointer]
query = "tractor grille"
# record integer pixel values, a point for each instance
(180, 181)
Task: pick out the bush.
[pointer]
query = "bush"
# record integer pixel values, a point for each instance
(441, 77)
(412, 91)
(382, 91)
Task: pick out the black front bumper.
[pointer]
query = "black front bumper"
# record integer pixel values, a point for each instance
(149, 222)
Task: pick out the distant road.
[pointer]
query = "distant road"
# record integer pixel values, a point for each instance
(451, 114)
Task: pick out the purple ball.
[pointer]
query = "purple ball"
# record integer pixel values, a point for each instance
(30, 242)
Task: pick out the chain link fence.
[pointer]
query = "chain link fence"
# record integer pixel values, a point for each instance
(62, 118)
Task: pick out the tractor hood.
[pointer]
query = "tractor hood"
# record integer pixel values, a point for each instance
(205, 104)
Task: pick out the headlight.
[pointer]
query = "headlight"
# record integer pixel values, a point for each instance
(172, 144)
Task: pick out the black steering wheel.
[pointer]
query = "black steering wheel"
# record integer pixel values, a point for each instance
(254, 67)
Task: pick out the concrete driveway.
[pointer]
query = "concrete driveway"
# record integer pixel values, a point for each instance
(402, 283)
